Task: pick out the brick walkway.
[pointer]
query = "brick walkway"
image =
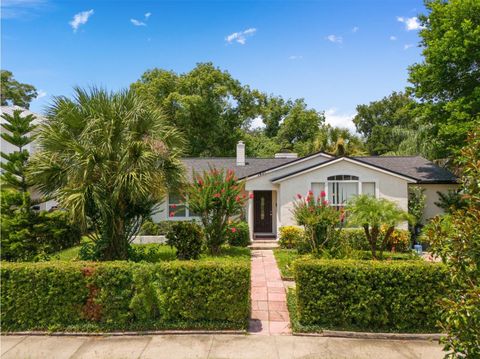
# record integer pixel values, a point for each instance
(269, 301)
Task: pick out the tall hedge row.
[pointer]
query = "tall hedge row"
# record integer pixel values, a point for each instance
(124, 295)
(369, 295)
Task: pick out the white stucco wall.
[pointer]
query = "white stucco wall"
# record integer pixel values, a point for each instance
(431, 210)
(386, 186)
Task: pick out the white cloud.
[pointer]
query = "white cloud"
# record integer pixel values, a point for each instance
(295, 57)
(335, 39)
(407, 46)
(241, 36)
(355, 29)
(411, 23)
(140, 22)
(137, 22)
(393, 38)
(41, 94)
(15, 9)
(332, 117)
(80, 19)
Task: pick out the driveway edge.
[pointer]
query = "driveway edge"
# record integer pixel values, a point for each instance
(366, 335)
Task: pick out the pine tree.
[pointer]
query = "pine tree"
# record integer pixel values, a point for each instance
(18, 132)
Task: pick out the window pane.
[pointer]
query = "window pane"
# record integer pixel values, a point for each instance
(340, 192)
(174, 198)
(176, 210)
(317, 188)
(368, 188)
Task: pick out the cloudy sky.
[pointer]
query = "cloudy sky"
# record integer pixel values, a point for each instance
(334, 53)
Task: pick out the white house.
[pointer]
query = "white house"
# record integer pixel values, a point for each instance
(275, 182)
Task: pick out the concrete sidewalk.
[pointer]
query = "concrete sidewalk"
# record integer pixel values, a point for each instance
(213, 346)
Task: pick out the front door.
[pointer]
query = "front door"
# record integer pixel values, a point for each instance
(262, 212)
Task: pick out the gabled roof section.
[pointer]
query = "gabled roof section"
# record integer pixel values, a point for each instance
(253, 166)
(414, 169)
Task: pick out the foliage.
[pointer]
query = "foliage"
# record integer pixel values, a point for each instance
(124, 295)
(416, 202)
(28, 235)
(238, 234)
(378, 122)
(446, 81)
(187, 238)
(319, 219)
(14, 92)
(17, 131)
(216, 196)
(108, 158)
(456, 240)
(290, 236)
(337, 141)
(149, 228)
(372, 214)
(355, 238)
(207, 105)
(299, 127)
(397, 296)
(450, 201)
(152, 253)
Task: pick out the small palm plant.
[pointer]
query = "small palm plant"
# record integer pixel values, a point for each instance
(108, 158)
(374, 215)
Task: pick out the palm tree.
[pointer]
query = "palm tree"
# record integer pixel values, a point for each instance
(374, 214)
(338, 141)
(108, 158)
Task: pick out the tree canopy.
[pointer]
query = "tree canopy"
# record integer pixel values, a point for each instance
(14, 92)
(447, 81)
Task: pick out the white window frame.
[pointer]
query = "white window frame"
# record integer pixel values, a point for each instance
(329, 183)
(187, 210)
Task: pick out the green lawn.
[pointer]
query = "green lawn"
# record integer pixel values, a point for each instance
(160, 252)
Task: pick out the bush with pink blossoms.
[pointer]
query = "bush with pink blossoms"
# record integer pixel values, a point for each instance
(319, 219)
(217, 197)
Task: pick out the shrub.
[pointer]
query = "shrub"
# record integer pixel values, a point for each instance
(400, 239)
(187, 238)
(238, 234)
(150, 228)
(216, 196)
(370, 295)
(124, 295)
(373, 214)
(28, 235)
(290, 236)
(319, 219)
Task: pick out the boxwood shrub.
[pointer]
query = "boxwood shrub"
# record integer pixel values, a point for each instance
(356, 239)
(400, 296)
(124, 295)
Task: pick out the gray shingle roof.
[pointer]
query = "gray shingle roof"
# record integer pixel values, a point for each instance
(415, 167)
(252, 165)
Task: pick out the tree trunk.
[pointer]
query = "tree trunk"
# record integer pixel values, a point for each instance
(388, 233)
(372, 236)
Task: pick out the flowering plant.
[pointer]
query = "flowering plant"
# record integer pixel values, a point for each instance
(319, 219)
(216, 196)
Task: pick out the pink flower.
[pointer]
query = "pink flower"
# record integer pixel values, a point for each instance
(216, 195)
(308, 199)
(233, 229)
(325, 203)
(173, 206)
(322, 194)
(310, 193)
(223, 190)
(200, 182)
(237, 198)
(299, 196)
(250, 196)
(172, 214)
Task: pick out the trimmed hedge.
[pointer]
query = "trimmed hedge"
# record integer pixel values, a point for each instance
(369, 295)
(124, 295)
(356, 239)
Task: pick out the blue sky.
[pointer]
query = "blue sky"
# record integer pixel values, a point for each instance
(335, 54)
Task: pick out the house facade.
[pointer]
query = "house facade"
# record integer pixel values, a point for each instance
(275, 183)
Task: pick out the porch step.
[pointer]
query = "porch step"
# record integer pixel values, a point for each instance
(263, 244)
